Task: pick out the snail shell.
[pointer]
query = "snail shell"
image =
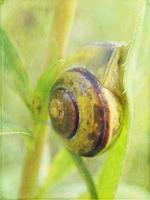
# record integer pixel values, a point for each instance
(85, 107)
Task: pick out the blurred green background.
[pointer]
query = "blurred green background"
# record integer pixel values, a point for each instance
(28, 24)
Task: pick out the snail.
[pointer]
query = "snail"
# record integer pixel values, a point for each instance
(86, 104)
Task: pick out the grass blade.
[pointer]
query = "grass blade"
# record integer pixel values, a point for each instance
(12, 69)
(108, 179)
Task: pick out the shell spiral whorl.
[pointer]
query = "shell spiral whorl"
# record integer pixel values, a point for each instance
(64, 112)
(84, 113)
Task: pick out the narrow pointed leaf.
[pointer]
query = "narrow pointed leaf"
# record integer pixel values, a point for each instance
(45, 82)
(109, 178)
(12, 69)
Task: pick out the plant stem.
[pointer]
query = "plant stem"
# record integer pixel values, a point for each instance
(86, 175)
(61, 26)
(32, 164)
(63, 20)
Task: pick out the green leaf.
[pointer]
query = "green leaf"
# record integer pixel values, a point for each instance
(138, 84)
(61, 167)
(46, 81)
(12, 119)
(108, 179)
(44, 84)
(12, 69)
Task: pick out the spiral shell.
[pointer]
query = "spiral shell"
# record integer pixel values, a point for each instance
(85, 104)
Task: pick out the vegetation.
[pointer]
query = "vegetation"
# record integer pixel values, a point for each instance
(36, 37)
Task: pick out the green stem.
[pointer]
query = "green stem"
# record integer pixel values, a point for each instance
(61, 27)
(86, 175)
(63, 19)
(32, 164)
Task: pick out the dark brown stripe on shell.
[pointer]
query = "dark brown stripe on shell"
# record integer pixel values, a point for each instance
(74, 101)
(104, 110)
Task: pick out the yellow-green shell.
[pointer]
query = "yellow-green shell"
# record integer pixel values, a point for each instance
(91, 88)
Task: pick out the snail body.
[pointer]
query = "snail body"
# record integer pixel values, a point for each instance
(86, 102)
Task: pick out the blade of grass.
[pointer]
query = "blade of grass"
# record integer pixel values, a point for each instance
(138, 87)
(12, 69)
(137, 43)
(109, 178)
(42, 90)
